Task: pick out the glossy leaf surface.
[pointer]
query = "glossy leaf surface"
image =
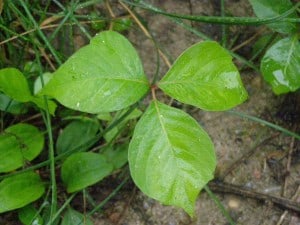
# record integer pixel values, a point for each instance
(19, 190)
(104, 76)
(268, 9)
(83, 169)
(280, 66)
(79, 135)
(18, 144)
(204, 76)
(171, 157)
(73, 217)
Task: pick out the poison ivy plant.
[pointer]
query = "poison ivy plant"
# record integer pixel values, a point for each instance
(171, 157)
(204, 76)
(100, 83)
(280, 66)
(267, 9)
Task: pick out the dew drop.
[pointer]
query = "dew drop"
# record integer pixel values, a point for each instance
(78, 104)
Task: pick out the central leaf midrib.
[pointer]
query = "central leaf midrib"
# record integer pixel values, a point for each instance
(165, 131)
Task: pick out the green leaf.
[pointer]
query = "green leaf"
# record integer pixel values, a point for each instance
(77, 135)
(280, 65)
(38, 84)
(122, 24)
(28, 215)
(115, 131)
(117, 155)
(73, 217)
(170, 156)
(11, 106)
(19, 190)
(204, 76)
(19, 143)
(268, 9)
(104, 76)
(40, 102)
(14, 84)
(83, 169)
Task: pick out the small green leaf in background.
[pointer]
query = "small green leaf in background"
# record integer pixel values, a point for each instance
(170, 156)
(280, 65)
(117, 155)
(79, 135)
(104, 76)
(19, 190)
(73, 217)
(14, 84)
(122, 24)
(273, 8)
(204, 76)
(28, 215)
(19, 143)
(83, 169)
(263, 42)
(38, 85)
(111, 134)
(11, 106)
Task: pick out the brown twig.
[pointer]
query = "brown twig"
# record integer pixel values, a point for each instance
(249, 193)
(294, 198)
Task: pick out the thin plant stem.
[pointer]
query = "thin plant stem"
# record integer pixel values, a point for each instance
(219, 204)
(51, 153)
(42, 35)
(112, 194)
(66, 203)
(245, 21)
(224, 33)
(266, 123)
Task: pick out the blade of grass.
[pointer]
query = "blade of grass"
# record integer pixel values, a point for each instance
(74, 19)
(264, 122)
(112, 194)
(47, 121)
(219, 204)
(41, 34)
(224, 33)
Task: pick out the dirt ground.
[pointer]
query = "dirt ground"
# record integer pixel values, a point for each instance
(265, 169)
